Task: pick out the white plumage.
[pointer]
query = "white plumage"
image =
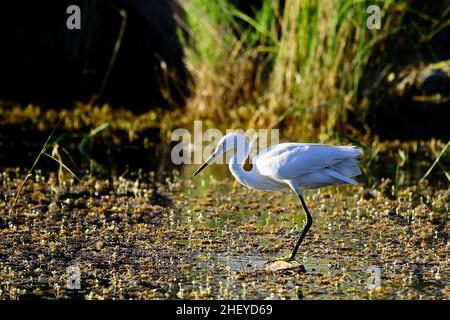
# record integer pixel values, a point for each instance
(309, 165)
(290, 165)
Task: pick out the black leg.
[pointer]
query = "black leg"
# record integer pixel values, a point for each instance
(305, 229)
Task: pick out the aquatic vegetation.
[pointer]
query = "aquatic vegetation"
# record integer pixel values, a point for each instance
(143, 236)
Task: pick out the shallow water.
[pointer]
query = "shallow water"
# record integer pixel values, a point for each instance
(150, 236)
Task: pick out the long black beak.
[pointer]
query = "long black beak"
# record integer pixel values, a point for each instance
(203, 166)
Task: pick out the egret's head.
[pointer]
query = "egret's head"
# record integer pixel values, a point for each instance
(228, 142)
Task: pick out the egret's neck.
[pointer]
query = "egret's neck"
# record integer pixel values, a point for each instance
(237, 161)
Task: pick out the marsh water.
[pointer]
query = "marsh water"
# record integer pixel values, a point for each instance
(148, 234)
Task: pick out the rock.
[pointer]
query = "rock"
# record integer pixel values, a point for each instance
(279, 265)
(433, 81)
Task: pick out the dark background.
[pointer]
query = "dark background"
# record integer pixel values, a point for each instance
(43, 62)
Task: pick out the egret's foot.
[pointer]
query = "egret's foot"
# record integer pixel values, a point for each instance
(284, 263)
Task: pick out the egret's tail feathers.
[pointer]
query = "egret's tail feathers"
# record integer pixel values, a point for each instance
(348, 168)
(351, 151)
(340, 176)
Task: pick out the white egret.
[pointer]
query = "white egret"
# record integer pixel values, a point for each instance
(290, 165)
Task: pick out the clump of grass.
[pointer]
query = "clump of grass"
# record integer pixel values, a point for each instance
(444, 154)
(55, 156)
(228, 62)
(297, 66)
(85, 146)
(319, 63)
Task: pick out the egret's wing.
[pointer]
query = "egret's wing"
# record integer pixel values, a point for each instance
(291, 160)
(340, 176)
